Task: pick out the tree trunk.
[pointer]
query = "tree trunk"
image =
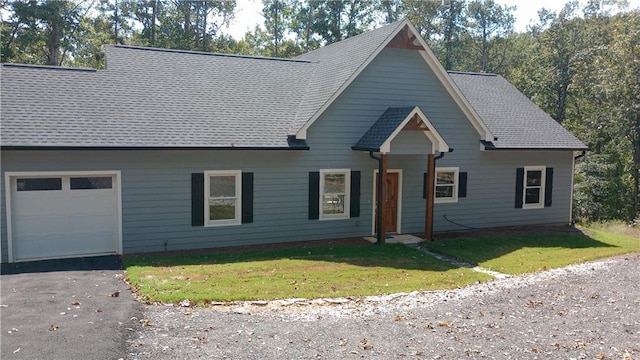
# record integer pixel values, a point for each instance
(205, 11)
(275, 30)
(154, 16)
(115, 23)
(54, 40)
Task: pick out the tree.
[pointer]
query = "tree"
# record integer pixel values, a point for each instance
(453, 28)
(42, 31)
(490, 24)
(277, 20)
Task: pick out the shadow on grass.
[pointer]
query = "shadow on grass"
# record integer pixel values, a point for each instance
(476, 248)
(364, 255)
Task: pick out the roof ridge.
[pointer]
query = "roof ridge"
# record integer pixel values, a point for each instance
(341, 42)
(192, 52)
(49, 67)
(471, 73)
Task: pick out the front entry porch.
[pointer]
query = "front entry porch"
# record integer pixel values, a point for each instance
(400, 131)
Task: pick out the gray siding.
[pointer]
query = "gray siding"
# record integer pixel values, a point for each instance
(156, 195)
(401, 78)
(156, 185)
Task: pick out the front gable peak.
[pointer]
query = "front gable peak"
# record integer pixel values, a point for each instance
(405, 39)
(339, 64)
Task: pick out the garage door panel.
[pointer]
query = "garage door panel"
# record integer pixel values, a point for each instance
(56, 245)
(67, 222)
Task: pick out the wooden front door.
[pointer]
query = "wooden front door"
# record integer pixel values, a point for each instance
(391, 199)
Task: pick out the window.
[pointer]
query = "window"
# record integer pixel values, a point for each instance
(91, 183)
(334, 193)
(223, 199)
(39, 184)
(534, 187)
(446, 185)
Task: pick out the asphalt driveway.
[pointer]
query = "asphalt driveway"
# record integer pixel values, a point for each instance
(66, 309)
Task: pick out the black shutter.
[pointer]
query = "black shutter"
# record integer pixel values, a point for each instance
(355, 195)
(424, 186)
(247, 197)
(462, 185)
(197, 199)
(519, 187)
(314, 195)
(548, 187)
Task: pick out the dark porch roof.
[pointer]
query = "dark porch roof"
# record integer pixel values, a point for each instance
(390, 122)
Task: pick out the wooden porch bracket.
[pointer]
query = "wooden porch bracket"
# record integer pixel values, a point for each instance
(430, 191)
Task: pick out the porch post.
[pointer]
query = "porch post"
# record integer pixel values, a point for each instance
(431, 175)
(382, 199)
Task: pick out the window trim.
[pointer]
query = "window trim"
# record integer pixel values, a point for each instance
(237, 220)
(347, 194)
(456, 184)
(543, 186)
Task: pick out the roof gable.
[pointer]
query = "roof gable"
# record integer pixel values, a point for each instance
(394, 120)
(340, 63)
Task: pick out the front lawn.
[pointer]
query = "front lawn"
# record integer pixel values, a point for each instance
(517, 254)
(311, 272)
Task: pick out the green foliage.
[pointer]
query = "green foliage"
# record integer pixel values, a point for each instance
(600, 189)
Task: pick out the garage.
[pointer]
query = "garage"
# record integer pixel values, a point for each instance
(58, 215)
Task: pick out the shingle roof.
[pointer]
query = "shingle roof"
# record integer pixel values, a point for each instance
(380, 131)
(515, 120)
(166, 98)
(336, 64)
(151, 98)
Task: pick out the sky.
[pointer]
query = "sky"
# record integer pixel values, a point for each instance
(248, 13)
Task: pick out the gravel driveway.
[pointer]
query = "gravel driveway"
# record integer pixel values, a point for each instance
(586, 311)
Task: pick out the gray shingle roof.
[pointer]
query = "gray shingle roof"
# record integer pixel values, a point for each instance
(150, 98)
(515, 120)
(336, 63)
(165, 98)
(380, 131)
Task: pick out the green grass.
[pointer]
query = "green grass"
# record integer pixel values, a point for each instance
(312, 272)
(528, 253)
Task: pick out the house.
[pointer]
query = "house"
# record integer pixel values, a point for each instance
(167, 150)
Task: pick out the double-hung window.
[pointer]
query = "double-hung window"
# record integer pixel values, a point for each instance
(223, 197)
(446, 185)
(334, 193)
(534, 187)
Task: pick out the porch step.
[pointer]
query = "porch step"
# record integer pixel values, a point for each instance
(397, 239)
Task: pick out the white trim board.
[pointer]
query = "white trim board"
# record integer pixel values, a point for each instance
(437, 141)
(8, 182)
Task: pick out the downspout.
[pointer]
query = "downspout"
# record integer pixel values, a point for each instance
(439, 156)
(379, 204)
(584, 152)
(430, 191)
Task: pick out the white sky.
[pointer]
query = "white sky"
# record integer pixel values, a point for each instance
(248, 13)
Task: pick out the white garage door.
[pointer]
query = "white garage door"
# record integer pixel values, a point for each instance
(55, 216)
